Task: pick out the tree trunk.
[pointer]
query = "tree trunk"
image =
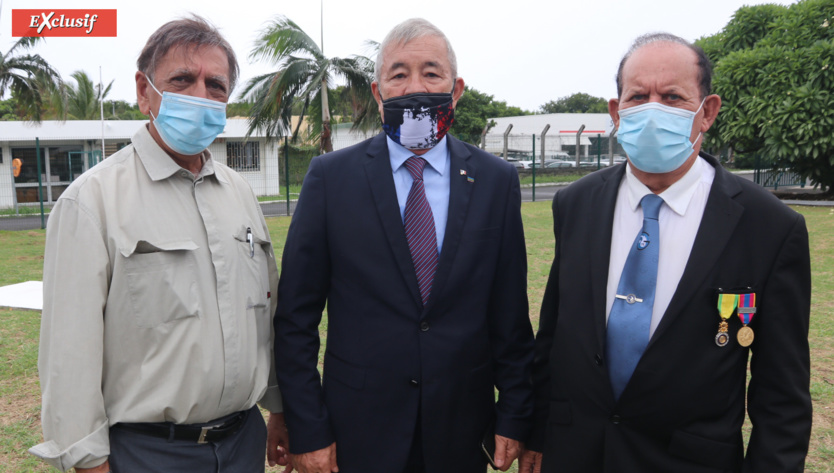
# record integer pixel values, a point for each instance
(326, 143)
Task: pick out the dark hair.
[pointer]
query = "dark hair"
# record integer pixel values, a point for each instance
(193, 31)
(704, 64)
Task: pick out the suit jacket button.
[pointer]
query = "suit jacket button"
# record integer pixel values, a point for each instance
(615, 419)
(424, 326)
(414, 383)
(598, 359)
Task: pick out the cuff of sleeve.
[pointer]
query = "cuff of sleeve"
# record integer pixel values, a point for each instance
(272, 400)
(512, 428)
(89, 452)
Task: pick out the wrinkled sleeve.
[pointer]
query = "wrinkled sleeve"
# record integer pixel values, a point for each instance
(76, 279)
(271, 400)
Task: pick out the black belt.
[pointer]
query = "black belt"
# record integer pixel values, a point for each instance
(201, 433)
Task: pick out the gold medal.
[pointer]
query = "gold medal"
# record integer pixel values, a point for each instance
(746, 312)
(745, 336)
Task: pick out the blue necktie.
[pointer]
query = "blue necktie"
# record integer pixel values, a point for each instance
(631, 315)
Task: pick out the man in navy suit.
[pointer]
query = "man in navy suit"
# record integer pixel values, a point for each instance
(413, 241)
(635, 377)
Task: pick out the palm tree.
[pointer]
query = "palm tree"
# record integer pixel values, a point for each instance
(29, 77)
(84, 99)
(301, 83)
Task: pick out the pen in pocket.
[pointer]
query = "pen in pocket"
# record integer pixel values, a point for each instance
(251, 242)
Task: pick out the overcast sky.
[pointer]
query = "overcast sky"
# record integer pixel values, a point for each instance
(525, 52)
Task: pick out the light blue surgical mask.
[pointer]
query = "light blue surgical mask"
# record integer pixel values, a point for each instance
(188, 124)
(656, 136)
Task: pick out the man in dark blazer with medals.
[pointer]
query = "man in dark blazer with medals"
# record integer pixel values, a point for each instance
(669, 274)
(414, 242)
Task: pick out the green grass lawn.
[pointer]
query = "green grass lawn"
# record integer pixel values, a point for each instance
(21, 259)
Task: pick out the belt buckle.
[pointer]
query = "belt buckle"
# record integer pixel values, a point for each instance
(205, 430)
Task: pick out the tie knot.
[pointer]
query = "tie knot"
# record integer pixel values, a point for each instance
(415, 166)
(651, 206)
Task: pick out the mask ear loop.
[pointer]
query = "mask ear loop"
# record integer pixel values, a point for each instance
(155, 90)
(701, 106)
(700, 134)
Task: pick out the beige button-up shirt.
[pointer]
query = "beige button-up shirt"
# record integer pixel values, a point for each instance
(156, 306)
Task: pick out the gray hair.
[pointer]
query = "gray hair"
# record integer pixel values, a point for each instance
(704, 64)
(408, 31)
(191, 32)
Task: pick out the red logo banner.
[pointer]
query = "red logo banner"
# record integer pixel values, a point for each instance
(66, 23)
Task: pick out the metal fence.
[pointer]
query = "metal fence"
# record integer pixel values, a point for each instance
(275, 169)
(584, 150)
(767, 176)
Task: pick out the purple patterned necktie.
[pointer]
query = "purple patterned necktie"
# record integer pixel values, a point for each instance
(419, 229)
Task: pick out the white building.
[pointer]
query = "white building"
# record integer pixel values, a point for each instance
(562, 133)
(68, 148)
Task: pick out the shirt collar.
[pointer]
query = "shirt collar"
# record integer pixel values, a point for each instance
(677, 196)
(158, 164)
(435, 157)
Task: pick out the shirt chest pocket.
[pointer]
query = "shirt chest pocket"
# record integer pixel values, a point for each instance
(251, 265)
(162, 281)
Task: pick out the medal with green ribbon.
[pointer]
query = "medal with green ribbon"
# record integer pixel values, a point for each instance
(746, 312)
(727, 304)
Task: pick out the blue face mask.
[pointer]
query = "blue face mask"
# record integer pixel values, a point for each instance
(656, 136)
(188, 124)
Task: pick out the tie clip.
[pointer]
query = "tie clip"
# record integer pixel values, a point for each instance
(631, 298)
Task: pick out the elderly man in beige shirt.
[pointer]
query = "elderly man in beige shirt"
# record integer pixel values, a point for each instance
(159, 289)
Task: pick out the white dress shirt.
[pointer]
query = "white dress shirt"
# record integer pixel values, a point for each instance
(679, 219)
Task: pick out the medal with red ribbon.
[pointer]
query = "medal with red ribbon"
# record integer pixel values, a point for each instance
(746, 312)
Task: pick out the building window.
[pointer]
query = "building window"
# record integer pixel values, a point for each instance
(243, 156)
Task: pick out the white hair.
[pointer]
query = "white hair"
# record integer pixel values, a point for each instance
(408, 31)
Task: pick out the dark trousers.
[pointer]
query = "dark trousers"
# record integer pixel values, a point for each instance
(242, 452)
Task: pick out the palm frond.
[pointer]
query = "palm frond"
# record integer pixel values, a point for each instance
(282, 39)
(24, 43)
(30, 78)
(297, 83)
(358, 73)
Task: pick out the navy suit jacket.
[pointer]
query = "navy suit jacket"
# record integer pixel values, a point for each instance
(683, 408)
(388, 357)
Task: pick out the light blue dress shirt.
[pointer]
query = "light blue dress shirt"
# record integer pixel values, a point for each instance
(435, 180)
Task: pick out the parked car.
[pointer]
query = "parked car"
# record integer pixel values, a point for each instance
(520, 164)
(559, 164)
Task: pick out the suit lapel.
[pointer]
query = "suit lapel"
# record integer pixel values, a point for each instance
(381, 182)
(721, 215)
(603, 200)
(459, 193)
